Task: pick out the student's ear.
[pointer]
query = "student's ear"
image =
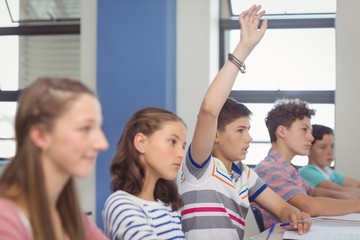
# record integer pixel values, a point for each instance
(281, 131)
(140, 142)
(39, 136)
(217, 139)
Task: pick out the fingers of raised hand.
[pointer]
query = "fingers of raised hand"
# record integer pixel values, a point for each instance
(252, 14)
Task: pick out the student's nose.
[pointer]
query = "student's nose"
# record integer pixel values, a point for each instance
(330, 152)
(101, 142)
(181, 153)
(249, 138)
(310, 136)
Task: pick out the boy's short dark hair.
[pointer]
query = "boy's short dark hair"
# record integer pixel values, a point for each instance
(319, 131)
(231, 111)
(285, 112)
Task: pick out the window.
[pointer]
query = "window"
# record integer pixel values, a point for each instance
(295, 59)
(34, 41)
(284, 7)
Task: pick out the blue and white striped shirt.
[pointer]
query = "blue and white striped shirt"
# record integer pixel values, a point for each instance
(126, 216)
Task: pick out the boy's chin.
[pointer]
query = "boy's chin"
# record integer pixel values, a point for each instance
(305, 153)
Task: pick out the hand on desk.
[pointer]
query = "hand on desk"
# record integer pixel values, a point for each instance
(299, 221)
(302, 226)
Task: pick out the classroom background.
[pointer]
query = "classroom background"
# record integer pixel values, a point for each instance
(119, 41)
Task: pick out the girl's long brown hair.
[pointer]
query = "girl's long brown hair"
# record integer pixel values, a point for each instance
(42, 103)
(126, 169)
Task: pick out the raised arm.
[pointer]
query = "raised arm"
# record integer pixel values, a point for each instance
(220, 88)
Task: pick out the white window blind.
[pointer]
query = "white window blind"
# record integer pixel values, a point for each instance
(53, 56)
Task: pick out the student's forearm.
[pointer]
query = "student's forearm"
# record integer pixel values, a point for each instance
(331, 186)
(351, 182)
(349, 190)
(353, 191)
(276, 205)
(221, 86)
(323, 192)
(322, 206)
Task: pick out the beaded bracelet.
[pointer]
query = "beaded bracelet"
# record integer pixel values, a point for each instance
(240, 65)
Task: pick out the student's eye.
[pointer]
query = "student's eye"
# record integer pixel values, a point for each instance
(172, 141)
(85, 129)
(240, 130)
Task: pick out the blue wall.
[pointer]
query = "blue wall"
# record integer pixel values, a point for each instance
(136, 46)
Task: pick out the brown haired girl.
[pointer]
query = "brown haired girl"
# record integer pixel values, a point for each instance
(145, 200)
(58, 136)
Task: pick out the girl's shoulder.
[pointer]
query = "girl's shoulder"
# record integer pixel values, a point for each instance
(122, 196)
(8, 209)
(121, 199)
(309, 168)
(127, 199)
(12, 221)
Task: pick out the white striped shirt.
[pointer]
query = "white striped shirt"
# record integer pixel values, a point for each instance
(128, 217)
(216, 201)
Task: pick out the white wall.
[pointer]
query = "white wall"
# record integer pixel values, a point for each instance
(347, 98)
(197, 55)
(87, 186)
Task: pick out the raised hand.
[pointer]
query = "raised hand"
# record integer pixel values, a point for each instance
(251, 34)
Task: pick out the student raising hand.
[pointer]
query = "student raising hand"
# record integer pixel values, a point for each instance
(216, 186)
